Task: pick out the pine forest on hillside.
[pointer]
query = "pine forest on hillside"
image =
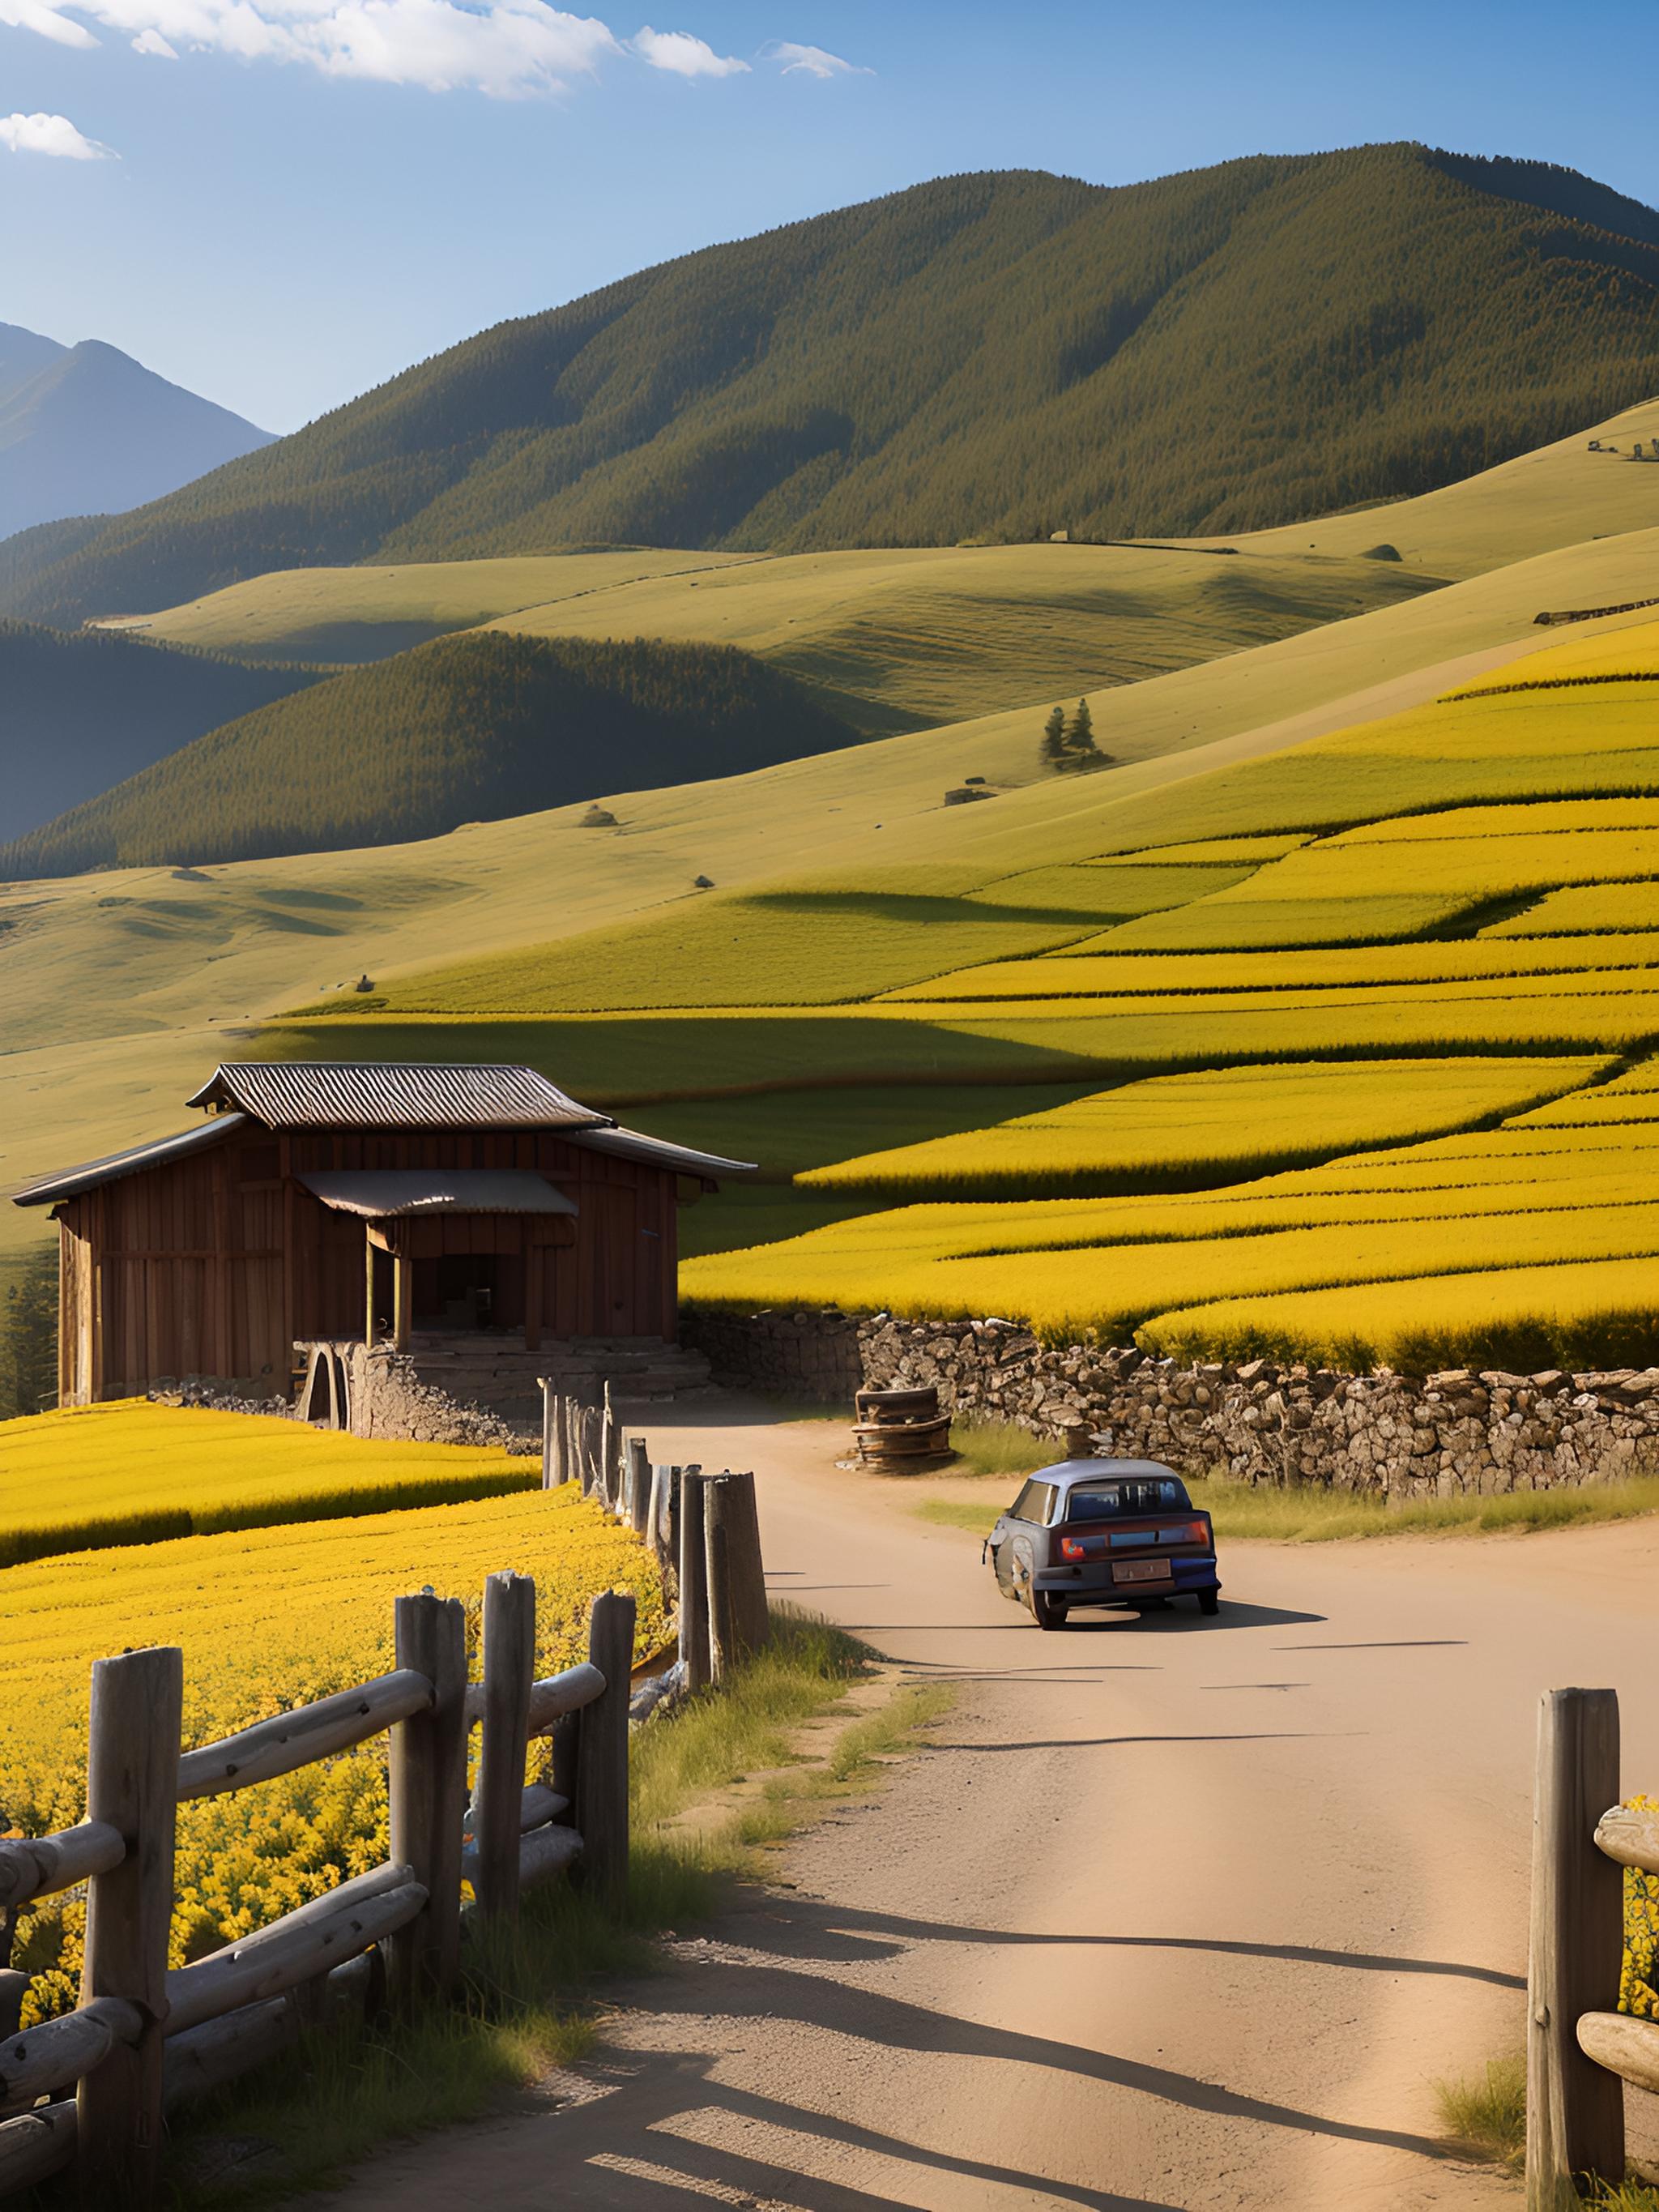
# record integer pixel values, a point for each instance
(466, 729)
(998, 355)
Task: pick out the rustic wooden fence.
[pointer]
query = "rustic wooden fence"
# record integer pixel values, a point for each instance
(91, 2090)
(1581, 2049)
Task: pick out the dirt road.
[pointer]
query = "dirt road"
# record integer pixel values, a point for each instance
(1171, 1914)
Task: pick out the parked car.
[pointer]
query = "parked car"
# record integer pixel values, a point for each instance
(1103, 1532)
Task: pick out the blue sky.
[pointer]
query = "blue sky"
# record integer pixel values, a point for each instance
(281, 202)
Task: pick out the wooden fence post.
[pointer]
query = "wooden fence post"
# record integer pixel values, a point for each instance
(693, 1581)
(662, 1510)
(602, 1747)
(428, 1796)
(610, 1455)
(587, 1447)
(737, 1578)
(509, 1668)
(638, 1487)
(1574, 2108)
(132, 1782)
(550, 1433)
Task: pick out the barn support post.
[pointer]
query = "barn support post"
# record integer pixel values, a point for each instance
(132, 1782)
(1574, 2108)
(601, 1747)
(736, 1574)
(403, 1298)
(509, 1668)
(694, 1582)
(428, 1792)
(368, 1284)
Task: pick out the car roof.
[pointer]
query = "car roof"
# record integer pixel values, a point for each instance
(1066, 1471)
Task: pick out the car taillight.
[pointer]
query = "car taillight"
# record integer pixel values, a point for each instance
(1185, 1532)
(1073, 1547)
(1198, 1532)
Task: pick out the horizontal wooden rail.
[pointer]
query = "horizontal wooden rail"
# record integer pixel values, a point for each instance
(537, 1805)
(550, 1699)
(293, 1739)
(547, 1852)
(1630, 1837)
(36, 2145)
(204, 2058)
(1624, 2044)
(297, 1948)
(36, 1865)
(59, 2052)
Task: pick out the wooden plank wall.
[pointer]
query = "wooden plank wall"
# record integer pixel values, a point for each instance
(214, 1264)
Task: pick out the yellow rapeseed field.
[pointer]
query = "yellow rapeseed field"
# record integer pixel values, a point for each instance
(133, 1473)
(268, 1618)
(1207, 1124)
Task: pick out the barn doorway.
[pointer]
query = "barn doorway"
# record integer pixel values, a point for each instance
(463, 1293)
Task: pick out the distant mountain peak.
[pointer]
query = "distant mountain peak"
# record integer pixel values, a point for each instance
(86, 429)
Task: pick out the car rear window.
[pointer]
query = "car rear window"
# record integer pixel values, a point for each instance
(1105, 1501)
(1034, 1503)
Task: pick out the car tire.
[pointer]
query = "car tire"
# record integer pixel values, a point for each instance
(1046, 1611)
(1209, 1602)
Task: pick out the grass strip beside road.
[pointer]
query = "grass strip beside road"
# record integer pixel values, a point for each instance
(1304, 1515)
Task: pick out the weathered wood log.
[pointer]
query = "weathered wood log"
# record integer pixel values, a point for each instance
(637, 1488)
(549, 1425)
(14, 1988)
(379, 1881)
(290, 1951)
(545, 1852)
(601, 1806)
(1574, 2109)
(290, 1740)
(659, 1513)
(38, 1865)
(133, 1779)
(737, 1620)
(610, 1453)
(509, 1665)
(554, 1695)
(1629, 1837)
(694, 1582)
(58, 2052)
(204, 2058)
(429, 1788)
(1623, 2045)
(37, 2146)
(540, 1805)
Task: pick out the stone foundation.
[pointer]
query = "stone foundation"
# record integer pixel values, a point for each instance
(1384, 1434)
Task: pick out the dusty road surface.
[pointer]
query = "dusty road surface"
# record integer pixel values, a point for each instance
(1171, 1912)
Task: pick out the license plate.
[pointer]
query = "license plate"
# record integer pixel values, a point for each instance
(1141, 1570)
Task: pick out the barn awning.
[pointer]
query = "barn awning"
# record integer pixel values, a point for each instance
(385, 1193)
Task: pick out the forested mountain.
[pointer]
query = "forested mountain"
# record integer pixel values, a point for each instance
(86, 429)
(1000, 355)
(469, 729)
(81, 711)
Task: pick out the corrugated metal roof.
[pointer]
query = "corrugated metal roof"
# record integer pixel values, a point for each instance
(380, 1194)
(69, 1183)
(657, 1152)
(393, 1094)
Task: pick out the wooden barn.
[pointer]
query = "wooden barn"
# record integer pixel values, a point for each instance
(373, 1203)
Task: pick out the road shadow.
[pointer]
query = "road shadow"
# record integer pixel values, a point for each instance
(801, 1928)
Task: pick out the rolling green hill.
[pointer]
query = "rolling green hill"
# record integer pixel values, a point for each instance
(467, 729)
(84, 711)
(994, 356)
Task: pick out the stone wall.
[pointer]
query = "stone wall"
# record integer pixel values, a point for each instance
(1260, 1421)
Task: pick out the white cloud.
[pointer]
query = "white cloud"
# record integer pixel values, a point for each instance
(503, 46)
(685, 56)
(813, 61)
(51, 134)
